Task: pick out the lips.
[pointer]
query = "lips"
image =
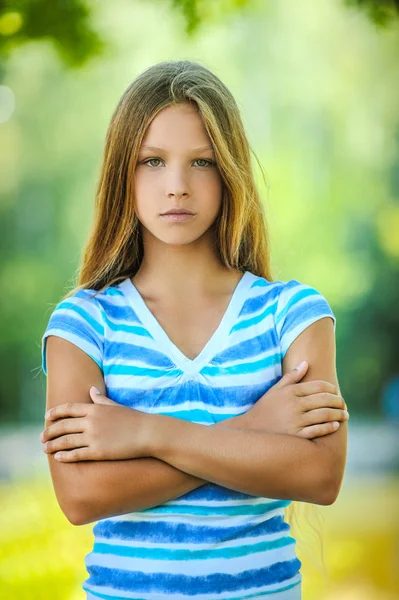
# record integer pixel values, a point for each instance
(174, 217)
(177, 212)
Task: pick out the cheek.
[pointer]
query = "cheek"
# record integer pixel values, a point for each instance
(212, 198)
(207, 188)
(146, 196)
(144, 184)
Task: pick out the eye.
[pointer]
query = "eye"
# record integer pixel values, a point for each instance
(145, 162)
(209, 163)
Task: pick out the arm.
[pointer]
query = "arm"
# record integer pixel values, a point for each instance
(91, 490)
(316, 344)
(258, 463)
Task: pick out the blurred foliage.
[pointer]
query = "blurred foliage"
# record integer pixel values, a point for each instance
(318, 91)
(382, 12)
(67, 22)
(42, 554)
(324, 123)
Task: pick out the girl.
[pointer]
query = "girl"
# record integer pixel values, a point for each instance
(203, 431)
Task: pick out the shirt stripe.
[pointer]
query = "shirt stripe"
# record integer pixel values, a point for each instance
(213, 542)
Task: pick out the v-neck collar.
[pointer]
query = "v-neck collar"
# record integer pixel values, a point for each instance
(187, 365)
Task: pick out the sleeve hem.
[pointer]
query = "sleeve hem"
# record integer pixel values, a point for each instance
(72, 336)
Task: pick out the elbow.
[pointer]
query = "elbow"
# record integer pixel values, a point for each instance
(79, 515)
(330, 474)
(78, 518)
(328, 497)
(69, 488)
(74, 510)
(74, 518)
(329, 489)
(72, 513)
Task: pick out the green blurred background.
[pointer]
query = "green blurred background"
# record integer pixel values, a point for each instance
(317, 83)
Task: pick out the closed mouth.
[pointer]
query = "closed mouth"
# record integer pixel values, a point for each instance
(177, 212)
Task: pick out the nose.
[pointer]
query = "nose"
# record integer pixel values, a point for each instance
(177, 195)
(176, 184)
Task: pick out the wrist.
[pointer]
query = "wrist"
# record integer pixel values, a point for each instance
(160, 428)
(243, 421)
(157, 431)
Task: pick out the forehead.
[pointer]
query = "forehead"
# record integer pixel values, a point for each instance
(177, 128)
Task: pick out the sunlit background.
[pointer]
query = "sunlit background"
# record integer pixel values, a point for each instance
(317, 83)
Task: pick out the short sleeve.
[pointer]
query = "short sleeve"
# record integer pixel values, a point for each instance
(79, 320)
(298, 306)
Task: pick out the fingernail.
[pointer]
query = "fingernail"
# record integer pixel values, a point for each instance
(93, 387)
(300, 365)
(41, 436)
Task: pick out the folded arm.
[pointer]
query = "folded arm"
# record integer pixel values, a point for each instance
(265, 464)
(269, 465)
(254, 462)
(91, 490)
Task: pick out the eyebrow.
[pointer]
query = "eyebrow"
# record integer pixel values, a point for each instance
(200, 149)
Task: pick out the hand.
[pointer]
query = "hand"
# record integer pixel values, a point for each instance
(307, 409)
(104, 430)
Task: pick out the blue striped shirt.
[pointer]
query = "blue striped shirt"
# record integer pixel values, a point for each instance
(212, 542)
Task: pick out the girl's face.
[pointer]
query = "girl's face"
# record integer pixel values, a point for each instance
(176, 168)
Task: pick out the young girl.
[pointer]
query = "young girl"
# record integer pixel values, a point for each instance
(203, 431)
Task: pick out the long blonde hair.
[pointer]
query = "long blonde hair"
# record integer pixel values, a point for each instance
(114, 248)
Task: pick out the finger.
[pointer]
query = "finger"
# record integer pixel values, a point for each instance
(294, 375)
(70, 409)
(323, 400)
(323, 415)
(317, 386)
(99, 398)
(314, 431)
(65, 442)
(62, 427)
(74, 455)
